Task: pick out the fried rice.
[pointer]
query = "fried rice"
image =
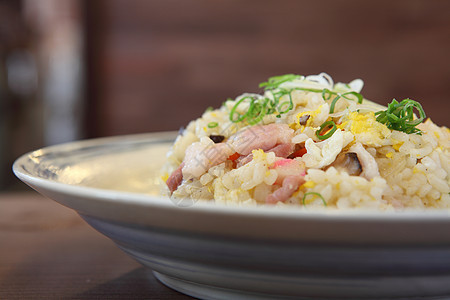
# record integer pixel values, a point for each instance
(308, 142)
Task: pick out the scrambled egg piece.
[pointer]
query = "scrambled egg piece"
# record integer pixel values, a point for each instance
(259, 154)
(165, 176)
(397, 146)
(316, 117)
(309, 184)
(366, 128)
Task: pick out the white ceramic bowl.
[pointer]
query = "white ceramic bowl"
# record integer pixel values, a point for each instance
(218, 252)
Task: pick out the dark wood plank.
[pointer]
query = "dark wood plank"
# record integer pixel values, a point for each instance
(48, 252)
(163, 62)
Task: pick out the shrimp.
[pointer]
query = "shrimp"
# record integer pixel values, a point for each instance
(282, 150)
(290, 184)
(203, 155)
(287, 167)
(261, 137)
(200, 157)
(291, 175)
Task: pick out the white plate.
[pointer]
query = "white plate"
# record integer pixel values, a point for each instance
(218, 252)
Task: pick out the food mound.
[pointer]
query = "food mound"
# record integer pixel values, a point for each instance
(306, 141)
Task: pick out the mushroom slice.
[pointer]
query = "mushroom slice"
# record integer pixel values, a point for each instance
(303, 119)
(349, 163)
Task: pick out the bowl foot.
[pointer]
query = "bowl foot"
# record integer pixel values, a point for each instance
(202, 291)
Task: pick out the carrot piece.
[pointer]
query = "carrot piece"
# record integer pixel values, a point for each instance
(299, 153)
(234, 156)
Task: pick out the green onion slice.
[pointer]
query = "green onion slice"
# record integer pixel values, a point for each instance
(327, 94)
(329, 133)
(275, 81)
(333, 103)
(213, 124)
(289, 103)
(353, 96)
(233, 110)
(257, 112)
(356, 96)
(313, 193)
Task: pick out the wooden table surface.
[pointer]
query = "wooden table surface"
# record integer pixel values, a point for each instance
(48, 252)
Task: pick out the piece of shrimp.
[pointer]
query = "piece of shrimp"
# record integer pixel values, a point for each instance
(291, 175)
(290, 184)
(201, 157)
(261, 137)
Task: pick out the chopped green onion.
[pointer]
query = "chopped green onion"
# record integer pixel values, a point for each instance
(309, 90)
(275, 81)
(326, 94)
(359, 98)
(400, 116)
(209, 109)
(329, 132)
(233, 111)
(285, 103)
(313, 193)
(289, 103)
(257, 112)
(333, 103)
(213, 124)
(262, 106)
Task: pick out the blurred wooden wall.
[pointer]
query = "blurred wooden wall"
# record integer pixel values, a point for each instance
(155, 65)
